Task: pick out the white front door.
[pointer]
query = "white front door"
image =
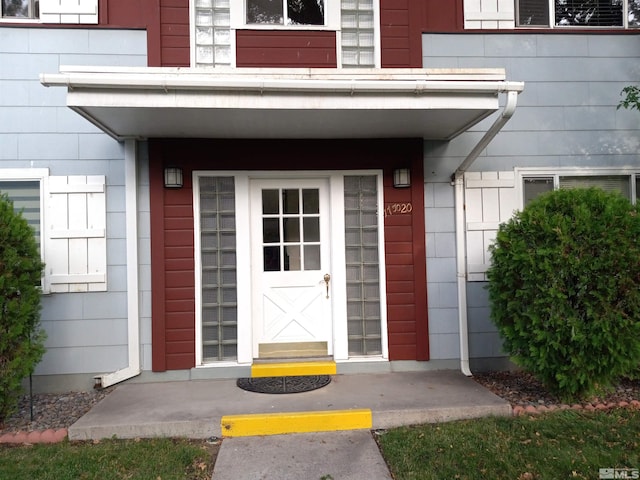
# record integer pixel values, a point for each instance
(290, 274)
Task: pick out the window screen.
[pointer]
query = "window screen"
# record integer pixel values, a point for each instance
(592, 13)
(608, 183)
(532, 13)
(578, 13)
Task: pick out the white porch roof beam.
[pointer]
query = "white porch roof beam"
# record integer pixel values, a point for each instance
(290, 103)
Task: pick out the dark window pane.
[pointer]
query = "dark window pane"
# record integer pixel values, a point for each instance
(291, 229)
(272, 259)
(290, 200)
(310, 201)
(311, 229)
(590, 13)
(292, 258)
(15, 8)
(533, 13)
(312, 257)
(270, 202)
(270, 230)
(634, 13)
(536, 186)
(265, 11)
(305, 12)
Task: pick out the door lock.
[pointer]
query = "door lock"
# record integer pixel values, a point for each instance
(327, 277)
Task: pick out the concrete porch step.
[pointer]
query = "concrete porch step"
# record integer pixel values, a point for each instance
(293, 368)
(295, 422)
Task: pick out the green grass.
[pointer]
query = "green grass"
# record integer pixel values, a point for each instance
(157, 459)
(560, 445)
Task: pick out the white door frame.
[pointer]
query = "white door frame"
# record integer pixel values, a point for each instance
(243, 244)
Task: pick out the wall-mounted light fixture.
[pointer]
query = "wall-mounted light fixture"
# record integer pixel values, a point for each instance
(401, 178)
(173, 177)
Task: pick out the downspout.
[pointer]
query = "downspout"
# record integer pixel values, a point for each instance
(133, 318)
(458, 182)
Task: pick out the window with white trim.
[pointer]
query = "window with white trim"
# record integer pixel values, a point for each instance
(285, 12)
(626, 185)
(68, 215)
(20, 8)
(491, 198)
(578, 13)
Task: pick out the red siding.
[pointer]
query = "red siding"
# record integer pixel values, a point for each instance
(439, 16)
(173, 304)
(400, 33)
(261, 48)
(174, 28)
(167, 24)
(401, 25)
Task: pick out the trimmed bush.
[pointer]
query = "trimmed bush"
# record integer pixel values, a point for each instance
(564, 289)
(21, 340)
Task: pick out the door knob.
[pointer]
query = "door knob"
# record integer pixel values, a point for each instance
(326, 278)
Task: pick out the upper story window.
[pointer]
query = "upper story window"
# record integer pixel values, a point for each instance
(578, 13)
(285, 12)
(20, 9)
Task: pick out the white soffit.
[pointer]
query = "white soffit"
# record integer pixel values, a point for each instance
(284, 103)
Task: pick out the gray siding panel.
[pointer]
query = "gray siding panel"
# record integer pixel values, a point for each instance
(566, 117)
(87, 332)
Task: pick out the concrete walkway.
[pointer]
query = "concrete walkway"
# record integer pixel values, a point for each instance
(194, 409)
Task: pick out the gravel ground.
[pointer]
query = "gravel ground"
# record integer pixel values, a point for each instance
(520, 388)
(53, 411)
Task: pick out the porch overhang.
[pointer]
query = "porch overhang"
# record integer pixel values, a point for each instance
(143, 103)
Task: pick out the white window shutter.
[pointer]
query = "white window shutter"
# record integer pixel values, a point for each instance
(69, 11)
(75, 235)
(490, 199)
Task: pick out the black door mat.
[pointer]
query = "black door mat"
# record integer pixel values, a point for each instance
(297, 384)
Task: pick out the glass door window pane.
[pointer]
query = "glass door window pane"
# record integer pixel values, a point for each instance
(290, 201)
(291, 229)
(271, 259)
(312, 257)
(270, 203)
(311, 229)
(292, 258)
(310, 201)
(270, 230)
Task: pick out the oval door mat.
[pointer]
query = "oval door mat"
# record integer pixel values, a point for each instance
(296, 384)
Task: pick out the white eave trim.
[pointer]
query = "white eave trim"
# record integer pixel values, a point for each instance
(264, 80)
(288, 103)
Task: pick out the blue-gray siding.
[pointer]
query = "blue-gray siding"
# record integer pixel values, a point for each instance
(87, 332)
(566, 117)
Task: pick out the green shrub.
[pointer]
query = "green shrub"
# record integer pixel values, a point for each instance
(21, 340)
(564, 289)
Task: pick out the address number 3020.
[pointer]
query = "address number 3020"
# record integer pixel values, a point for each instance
(397, 209)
